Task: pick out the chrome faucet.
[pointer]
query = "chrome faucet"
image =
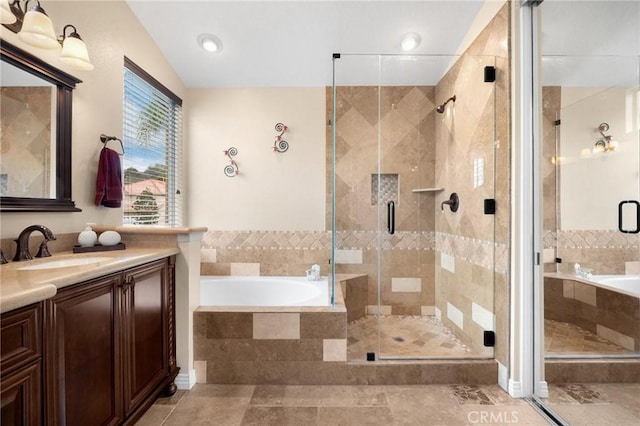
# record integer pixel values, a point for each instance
(582, 272)
(22, 252)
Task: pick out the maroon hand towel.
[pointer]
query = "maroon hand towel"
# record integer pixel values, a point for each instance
(109, 180)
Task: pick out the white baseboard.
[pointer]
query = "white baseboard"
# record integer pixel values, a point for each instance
(503, 377)
(186, 381)
(515, 389)
(543, 389)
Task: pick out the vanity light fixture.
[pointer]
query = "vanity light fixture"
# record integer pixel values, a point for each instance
(36, 29)
(210, 43)
(6, 16)
(410, 41)
(74, 51)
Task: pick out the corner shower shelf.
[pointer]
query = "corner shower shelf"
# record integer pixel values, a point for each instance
(427, 190)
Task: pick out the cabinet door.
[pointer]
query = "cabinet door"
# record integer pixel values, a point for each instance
(20, 396)
(145, 331)
(20, 366)
(82, 353)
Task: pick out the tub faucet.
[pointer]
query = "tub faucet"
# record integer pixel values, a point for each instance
(22, 252)
(313, 274)
(582, 272)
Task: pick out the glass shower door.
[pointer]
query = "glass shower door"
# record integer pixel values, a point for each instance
(410, 131)
(591, 197)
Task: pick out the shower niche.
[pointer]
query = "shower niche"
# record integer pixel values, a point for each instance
(405, 128)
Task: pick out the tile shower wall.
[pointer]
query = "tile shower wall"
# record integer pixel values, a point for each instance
(26, 141)
(406, 125)
(471, 267)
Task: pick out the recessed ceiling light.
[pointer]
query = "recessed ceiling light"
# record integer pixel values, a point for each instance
(410, 41)
(210, 43)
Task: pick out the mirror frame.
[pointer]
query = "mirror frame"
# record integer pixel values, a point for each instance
(65, 84)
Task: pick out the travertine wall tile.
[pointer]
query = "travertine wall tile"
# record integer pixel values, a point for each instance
(619, 339)
(245, 269)
(276, 325)
(413, 285)
(585, 293)
(325, 325)
(334, 350)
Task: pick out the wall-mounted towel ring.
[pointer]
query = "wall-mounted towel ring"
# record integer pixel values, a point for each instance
(104, 139)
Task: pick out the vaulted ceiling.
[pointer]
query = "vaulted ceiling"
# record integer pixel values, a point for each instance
(290, 43)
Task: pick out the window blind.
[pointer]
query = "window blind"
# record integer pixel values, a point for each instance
(152, 136)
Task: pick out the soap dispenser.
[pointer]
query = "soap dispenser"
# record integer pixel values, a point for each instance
(88, 237)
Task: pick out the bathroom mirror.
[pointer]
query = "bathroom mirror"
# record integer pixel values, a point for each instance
(35, 136)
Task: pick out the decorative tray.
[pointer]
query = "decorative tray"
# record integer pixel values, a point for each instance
(98, 247)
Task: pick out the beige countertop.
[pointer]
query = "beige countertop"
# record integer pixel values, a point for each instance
(21, 287)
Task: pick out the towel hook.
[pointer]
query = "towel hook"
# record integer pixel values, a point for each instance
(104, 139)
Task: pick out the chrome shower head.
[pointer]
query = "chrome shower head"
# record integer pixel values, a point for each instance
(440, 108)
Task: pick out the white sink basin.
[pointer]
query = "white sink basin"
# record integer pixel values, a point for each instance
(64, 263)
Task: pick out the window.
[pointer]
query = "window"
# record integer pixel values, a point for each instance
(153, 157)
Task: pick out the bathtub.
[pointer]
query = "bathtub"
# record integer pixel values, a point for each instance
(626, 284)
(263, 291)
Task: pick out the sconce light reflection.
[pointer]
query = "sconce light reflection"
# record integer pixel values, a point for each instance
(606, 143)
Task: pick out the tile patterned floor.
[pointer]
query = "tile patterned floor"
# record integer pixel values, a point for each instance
(420, 336)
(447, 405)
(600, 404)
(405, 336)
(561, 338)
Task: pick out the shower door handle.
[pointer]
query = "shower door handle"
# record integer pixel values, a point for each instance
(391, 217)
(620, 225)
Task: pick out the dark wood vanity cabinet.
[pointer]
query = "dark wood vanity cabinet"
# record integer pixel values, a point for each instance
(21, 366)
(110, 346)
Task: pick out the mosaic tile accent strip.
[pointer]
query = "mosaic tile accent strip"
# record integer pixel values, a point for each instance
(384, 188)
(597, 239)
(475, 251)
(550, 239)
(472, 250)
(267, 240)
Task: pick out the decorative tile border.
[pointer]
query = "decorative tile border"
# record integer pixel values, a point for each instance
(591, 239)
(475, 251)
(267, 240)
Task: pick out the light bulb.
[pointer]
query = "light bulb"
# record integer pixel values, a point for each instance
(210, 43)
(410, 41)
(6, 15)
(37, 29)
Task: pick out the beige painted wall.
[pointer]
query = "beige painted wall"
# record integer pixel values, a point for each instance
(110, 31)
(596, 182)
(273, 191)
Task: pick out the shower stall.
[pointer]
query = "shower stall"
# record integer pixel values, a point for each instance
(413, 173)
